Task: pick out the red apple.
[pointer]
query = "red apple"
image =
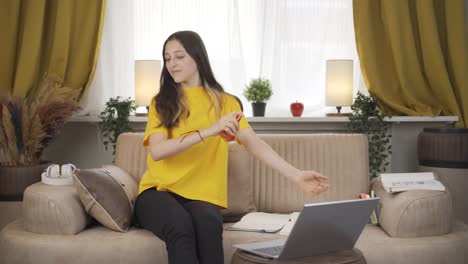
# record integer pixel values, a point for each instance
(297, 108)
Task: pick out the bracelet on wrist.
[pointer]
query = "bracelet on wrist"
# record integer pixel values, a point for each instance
(199, 134)
(191, 132)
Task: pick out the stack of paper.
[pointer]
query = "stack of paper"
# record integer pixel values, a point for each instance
(398, 182)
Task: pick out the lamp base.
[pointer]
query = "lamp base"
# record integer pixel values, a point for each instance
(338, 114)
(142, 113)
(338, 108)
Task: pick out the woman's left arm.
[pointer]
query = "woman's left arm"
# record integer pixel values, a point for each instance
(308, 181)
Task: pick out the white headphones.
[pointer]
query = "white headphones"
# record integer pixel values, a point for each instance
(56, 175)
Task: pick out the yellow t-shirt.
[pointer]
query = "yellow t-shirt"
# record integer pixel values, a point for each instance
(199, 172)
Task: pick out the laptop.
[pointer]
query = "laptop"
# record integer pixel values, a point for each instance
(320, 228)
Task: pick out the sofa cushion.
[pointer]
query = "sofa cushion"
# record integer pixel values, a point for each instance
(107, 195)
(130, 154)
(414, 213)
(50, 209)
(98, 244)
(343, 158)
(240, 184)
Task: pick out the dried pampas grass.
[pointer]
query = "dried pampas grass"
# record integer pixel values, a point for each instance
(27, 125)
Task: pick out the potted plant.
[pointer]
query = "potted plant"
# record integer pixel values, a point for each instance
(27, 126)
(366, 118)
(115, 119)
(258, 92)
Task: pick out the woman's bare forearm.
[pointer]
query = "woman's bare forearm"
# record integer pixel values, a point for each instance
(169, 147)
(163, 148)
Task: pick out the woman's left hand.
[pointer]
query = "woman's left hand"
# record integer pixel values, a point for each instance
(311, 182)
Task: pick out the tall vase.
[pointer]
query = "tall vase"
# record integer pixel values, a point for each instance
(258, 109)
(14, 180)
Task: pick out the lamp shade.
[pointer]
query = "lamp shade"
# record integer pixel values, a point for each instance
(339, 83)
(147, 74)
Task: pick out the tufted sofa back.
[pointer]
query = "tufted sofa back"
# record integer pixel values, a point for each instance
(341, 157)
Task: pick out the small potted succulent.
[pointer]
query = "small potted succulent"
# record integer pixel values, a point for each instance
(258, 92)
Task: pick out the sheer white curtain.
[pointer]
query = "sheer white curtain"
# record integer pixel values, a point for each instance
(298, 37)
(286, 41)
(216, 21)
(114, 75)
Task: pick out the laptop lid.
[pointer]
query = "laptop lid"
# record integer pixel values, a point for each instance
(320, 228)
(328, 227)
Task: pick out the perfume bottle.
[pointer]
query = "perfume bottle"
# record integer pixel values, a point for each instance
(225, 135)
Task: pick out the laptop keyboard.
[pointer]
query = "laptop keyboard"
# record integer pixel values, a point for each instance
(272, 251)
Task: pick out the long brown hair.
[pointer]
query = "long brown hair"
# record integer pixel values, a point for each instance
(171, 104)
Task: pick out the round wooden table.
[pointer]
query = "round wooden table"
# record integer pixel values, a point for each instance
(353, 256)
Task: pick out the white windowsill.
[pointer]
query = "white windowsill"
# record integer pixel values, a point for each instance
(311, 119)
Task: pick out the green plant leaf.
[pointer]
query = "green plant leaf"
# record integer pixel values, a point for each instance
(115, 120)
(259, 90)
(367, 119)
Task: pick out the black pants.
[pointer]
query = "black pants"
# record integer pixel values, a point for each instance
(192, 230)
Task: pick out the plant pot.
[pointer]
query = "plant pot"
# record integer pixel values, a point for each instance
(258, 109)
(14, 180)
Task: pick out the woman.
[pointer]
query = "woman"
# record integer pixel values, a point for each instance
(181, 193)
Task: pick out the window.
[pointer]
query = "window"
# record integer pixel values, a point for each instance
(286, 41)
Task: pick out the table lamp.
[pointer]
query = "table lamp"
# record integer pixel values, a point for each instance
(147, 75)
(339, 85)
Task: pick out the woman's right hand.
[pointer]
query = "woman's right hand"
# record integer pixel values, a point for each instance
(311, 182)
(227, 123)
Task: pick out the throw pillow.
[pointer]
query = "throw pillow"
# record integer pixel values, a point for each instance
(107, 194)
(240, 184)
(128, 183)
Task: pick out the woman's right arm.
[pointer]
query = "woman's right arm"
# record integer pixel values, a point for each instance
(160, 147)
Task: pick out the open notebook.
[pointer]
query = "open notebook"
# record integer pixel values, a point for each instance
(265, 222)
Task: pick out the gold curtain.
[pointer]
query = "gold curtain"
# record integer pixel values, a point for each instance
(414, 55)
(54, 36)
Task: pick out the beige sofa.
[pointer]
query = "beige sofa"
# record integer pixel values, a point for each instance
(416, 227)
